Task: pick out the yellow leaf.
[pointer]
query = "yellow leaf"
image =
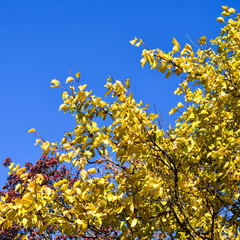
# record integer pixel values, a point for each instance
(168, 74)
(226, 165)
(220, 19)
(24, 222)
(143, 61)
(111, 185)
(31, 187)
(48, 190)
(225, 14)
(127, 83)
(55, 83)
(32, 130)
(42, 228)
(78, 75)
(224, 7)
(173, 111)
(35, 218)
(84, 226)
(24, 237)
(194, 124)
(131, 208)
(79, 222)
(110, 197)
(188, 47)
(154, 64)
(11, 166)
(208, 215)
(176, 43)
(17, 237)
(84, 174)
(121, 225)
(62, 106)
(178, 91)
(69, 79)
(11, 214)
(82, 87)
(175, 49)
(133, 41)
(202, 40)
(17, 186)
(180, 105)
(152, 116)
(92, 171)
(134, 222)
(38, 141)
(182, 184)
(178, 124)
(46, 147)
(204, 112)
(139, 43)
(231, 10)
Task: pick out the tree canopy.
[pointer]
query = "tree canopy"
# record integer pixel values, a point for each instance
(133, 176)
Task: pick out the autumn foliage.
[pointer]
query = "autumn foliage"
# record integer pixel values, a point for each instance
(134, 180)
(51, 171)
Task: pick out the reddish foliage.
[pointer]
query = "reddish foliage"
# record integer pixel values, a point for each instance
(52, 172)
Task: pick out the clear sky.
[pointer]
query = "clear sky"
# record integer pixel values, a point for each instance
(43, 40)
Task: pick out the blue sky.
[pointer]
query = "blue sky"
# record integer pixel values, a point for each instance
(43, 40)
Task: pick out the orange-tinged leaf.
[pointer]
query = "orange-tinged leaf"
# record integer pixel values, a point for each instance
(31, 187)
(48, 190)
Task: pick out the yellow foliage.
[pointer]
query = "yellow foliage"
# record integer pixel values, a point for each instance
(182, 183)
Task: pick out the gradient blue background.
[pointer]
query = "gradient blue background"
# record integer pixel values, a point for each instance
(43, 40)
